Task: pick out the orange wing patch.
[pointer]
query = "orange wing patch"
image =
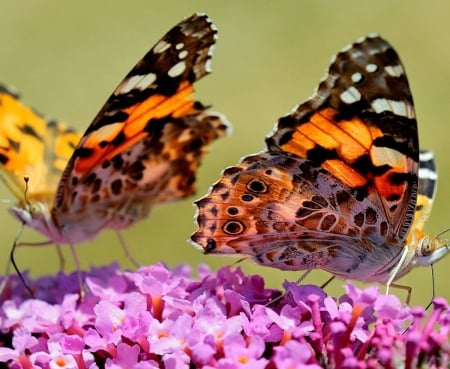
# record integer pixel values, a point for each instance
(133, 127)
(345, 140)
(32, 146)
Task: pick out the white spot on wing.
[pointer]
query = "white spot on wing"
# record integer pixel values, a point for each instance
(108, 131)
(385, 155)
(394, 70)
(346, 48)
(160, 47)
(177, 69)
(350, 95)
(356, 77)
(333, 59)
(183, 54)
(179, 46)
(146, 81)
(371, 68)
(208, 65)
(140, 82)
(401, 108)
(211, 50)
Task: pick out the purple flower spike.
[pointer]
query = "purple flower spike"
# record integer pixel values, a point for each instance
(156, 317)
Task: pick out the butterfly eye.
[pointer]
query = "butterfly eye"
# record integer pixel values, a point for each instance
(233, 227)
(255, 185)
(426, 246)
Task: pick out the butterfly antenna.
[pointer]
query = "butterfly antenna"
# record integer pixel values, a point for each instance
(441, 233)
(433, 284)
(26, 179)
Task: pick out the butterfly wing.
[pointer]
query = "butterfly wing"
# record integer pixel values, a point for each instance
(146, 143)
(426, 189)
(32, 146)
(338, 179)
(285, 212)
(361, 127)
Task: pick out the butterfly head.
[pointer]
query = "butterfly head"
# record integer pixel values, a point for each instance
(36, 214)
(431, 249)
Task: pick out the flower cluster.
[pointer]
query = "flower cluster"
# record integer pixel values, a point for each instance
(156, 317)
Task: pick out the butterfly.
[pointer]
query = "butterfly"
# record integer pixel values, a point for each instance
(143, 147)
(341, 185)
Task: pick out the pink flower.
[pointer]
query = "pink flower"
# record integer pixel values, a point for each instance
(156, 317)
(127, 357)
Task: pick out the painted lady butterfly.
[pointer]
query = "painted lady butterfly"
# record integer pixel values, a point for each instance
(341, 185)
(143, 147)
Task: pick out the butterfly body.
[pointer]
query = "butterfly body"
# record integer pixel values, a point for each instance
(341, 185)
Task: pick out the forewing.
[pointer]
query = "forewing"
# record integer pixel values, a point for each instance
(361, 127)
(147, 141)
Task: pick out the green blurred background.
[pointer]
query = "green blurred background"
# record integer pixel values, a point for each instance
(66, 57)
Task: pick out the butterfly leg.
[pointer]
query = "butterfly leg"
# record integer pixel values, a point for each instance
(62, 260)
(5, 279)
(127, 250)
(79, 276)
(408, 290)
(298, 281)
(303, 276)
(11, 261)
(77, 266)
(327, 282)
(404, 259)
(433, 289)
